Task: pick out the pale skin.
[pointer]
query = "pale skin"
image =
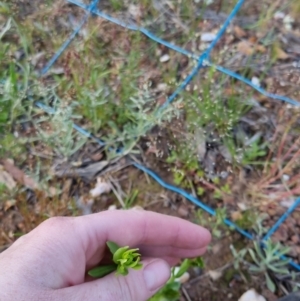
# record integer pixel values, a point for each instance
(50, 262)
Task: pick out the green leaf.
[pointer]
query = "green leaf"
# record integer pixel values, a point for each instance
(270, 284)
(138, 266)
(183, 268)
(102, 271)
(122, 270)
(197, 262)
(113, 247)
(118, 254)
(252, 254)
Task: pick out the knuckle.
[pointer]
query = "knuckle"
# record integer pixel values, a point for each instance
(56, 221)
(55, 224)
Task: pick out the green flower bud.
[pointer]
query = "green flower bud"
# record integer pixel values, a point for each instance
(126, 258)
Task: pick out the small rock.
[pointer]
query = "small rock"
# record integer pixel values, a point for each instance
(281, 235)
(57, 71)
(285, 178)
(216, 248)
(165, 58)
(242, 206)
(295, 239)
(287, 203)
(162, 87)
(184, 278)
(183, 211)
(112, 207)
(271, 211)
(208, 37)
(215, 275)
(255, 81)
(279, 15)
(135, 10)
(252, 295)
(294, 251)
(139, 208)
(236, 215)
(288, 21)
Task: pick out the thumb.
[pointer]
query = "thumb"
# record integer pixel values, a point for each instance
(136, 286)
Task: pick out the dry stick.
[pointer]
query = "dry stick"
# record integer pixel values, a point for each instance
(294, 146)
(279, 152)
(294, 180)
(221, 269)
(186, 294)
(288, 165)
(271, 151)
(117, 194)
(139, 162)
(266, 183)
(287, 194)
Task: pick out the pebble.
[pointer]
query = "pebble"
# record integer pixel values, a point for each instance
(215, 275)
(285, 178)
(279, 15)
(281, 235)
(295, 238)
(255, 81)
(165, 58)
(271, 211)
(208, 37)
(183, 211)
(294, 251)
(252, 295)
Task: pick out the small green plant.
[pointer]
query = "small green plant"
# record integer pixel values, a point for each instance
(129, 201)
(269, 260)
(254, 151)
(211, 111)
(62, 137)
(225, 189)
(170, 292)
(215, 223)
(266, 259)
(123, 259)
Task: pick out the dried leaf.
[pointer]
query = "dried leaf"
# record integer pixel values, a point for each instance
(100, 188)
(245, 47)
(9, 204)
(278, 53)
(7, 179)
(19, 175)
(239, 32)
(236, 215)
(260, 48)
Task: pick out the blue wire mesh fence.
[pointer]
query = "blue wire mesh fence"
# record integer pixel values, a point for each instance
(202, 61)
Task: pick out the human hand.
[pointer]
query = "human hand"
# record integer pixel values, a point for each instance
(50, 262)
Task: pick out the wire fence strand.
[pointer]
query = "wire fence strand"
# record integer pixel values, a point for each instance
(202, 61)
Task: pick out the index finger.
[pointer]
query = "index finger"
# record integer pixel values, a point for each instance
(134, 227)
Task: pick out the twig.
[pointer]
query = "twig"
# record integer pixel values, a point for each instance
(116, 193)
(186, 294)
(221, 269)
(146, 175)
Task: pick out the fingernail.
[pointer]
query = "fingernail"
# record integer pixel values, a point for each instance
(156, 274)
